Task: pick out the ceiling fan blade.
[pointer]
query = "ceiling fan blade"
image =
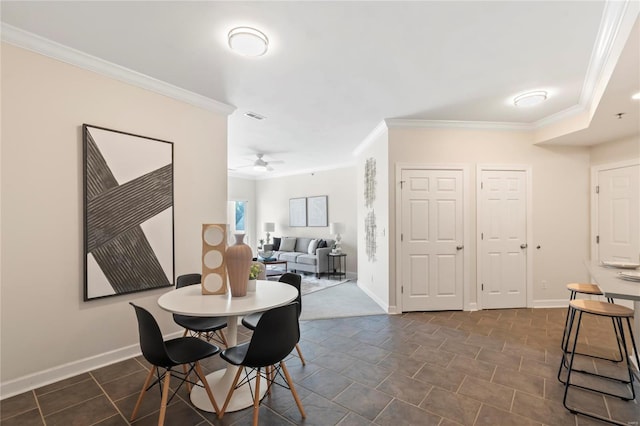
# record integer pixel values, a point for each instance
(269, 168)
(275, 161)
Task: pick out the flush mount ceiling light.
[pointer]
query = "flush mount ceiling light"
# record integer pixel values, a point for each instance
(530, 98)
(248, 41)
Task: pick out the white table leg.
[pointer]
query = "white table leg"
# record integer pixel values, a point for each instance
(220, 382)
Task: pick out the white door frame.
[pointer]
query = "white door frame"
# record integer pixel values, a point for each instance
(529, 218)
(594, 204)
(468, 305)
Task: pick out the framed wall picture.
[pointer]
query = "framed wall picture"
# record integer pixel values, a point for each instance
(298, 212)
(317, 211)
(128, 213)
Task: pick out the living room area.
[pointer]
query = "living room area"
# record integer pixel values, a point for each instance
(267, 200)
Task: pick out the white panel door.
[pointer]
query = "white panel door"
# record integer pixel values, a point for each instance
(619, 214)
(431, 239)
(503, 244)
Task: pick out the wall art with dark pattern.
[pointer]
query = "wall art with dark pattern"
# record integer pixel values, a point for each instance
(128, 213)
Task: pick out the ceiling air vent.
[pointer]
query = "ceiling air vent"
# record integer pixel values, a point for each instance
(254, 115)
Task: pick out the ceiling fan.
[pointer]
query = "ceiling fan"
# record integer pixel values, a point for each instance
(261, 165)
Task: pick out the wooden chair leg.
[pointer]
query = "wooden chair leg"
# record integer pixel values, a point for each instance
(223, 338)
(267, 373)
(186, 377)
(231, 390)
(203, 378)
(142, 392)
(256, 399)
(293, 389)
(165, 397)
(185, 333)
(300, 354)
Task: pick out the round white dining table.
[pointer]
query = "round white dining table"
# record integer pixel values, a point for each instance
(190, 301)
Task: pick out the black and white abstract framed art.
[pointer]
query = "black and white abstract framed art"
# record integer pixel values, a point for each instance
(128, 213)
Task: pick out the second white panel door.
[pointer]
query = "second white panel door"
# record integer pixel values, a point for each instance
(503, 239)
(432, 237)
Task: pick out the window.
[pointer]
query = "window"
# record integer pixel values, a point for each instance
(240, 215)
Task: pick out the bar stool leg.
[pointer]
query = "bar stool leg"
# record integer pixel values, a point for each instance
(619, 329)
(573, 296)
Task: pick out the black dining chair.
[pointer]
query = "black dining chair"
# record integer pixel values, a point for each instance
(165, 355)
(273, 339)
(208, 327)
(250, 321)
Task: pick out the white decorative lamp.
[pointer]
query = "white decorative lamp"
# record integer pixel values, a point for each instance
(269, 227)
(336, 228)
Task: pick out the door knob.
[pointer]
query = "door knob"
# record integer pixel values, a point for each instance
(523, 246)
(459, 247)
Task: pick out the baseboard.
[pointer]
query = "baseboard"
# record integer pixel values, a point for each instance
(551, 303)
(393, 310)
(55, 374)
(473, 306)
(373, 297)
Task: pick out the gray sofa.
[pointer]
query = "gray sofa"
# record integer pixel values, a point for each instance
(299, 259)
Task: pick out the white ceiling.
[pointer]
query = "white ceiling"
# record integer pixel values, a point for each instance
(335, 70)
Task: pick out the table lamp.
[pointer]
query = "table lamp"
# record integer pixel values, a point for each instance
(336, 228)
(269, 227)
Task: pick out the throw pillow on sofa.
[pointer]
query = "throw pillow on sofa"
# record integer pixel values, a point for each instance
(288, 244)
(276, 243)
(313, 245)
(322, 244)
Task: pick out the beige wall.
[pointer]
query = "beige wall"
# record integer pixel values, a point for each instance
(616, 151)
(272, 199)
(373, 275)
(45, 322)
(560, 196)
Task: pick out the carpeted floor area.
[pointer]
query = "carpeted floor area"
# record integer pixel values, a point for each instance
(344, 300)
(311, 284)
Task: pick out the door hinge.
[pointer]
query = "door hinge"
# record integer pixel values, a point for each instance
(597, 189)
(481, 185)
(401, 290)
(597, 239)
(482, 235)
(482, 286)
(402, 184)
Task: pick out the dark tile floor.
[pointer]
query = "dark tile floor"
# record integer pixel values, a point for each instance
(494, 367)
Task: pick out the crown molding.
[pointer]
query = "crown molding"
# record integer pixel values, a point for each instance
(46, 47)
(368, 140)
(453, 124)
(565, 114)
(616, 16)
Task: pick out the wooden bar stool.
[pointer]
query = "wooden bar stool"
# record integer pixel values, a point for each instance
(620, 315)
(590, 290)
